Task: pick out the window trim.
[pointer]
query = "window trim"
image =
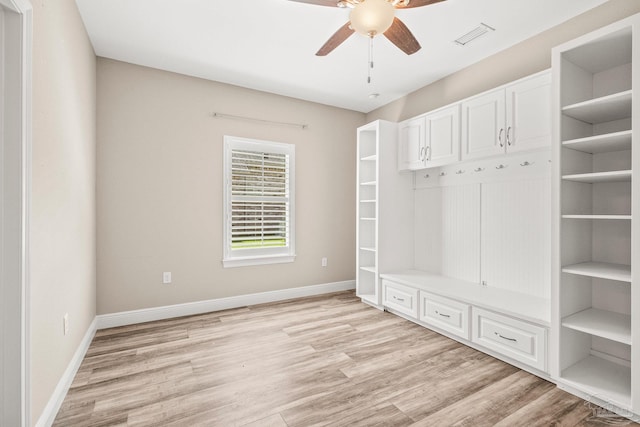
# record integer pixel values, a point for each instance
(262, 256)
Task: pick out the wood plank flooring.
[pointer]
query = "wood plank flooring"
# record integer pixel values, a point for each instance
(320, 361)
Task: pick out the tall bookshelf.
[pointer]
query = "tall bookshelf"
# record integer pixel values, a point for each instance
(384, 211)
(596, 262)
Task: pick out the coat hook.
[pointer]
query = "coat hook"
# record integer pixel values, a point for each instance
(526, 163)
(459, 172)
(478, 169)
(500, 167)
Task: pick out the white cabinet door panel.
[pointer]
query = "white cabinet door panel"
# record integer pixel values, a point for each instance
(529, 114)
(516, 236)
(483, 132)
(514, 338)
(445, 313)
(443, 136)
(403, 299)
(412, 144)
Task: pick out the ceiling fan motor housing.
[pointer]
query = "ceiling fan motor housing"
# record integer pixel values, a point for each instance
(372, 17)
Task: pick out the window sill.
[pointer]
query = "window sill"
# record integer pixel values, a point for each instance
(262, 260)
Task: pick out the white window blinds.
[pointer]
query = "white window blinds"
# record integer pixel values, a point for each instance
(258, 200)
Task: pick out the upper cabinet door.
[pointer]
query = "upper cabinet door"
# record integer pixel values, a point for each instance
(443, 136)
(483, 125)
(412, 148)
(529, 113)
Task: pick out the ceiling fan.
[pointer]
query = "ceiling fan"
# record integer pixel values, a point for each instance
(370, 18)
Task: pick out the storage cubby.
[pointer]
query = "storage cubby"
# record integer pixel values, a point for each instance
(383, 236)
(595, 161)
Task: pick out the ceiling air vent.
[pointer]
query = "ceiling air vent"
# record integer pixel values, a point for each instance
(480, 30)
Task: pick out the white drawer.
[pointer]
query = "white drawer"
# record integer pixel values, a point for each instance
(444, 313)
(400, 298)
(519, 340)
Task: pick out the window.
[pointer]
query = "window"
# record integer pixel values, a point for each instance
(258, 201)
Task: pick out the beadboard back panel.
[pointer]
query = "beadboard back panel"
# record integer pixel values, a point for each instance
(447, 225)
(516, 232)
(461, 232)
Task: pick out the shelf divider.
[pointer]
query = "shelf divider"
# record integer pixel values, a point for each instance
(615, 141)
(604, 109)
(624, 217)
(602, 323)
(596, 177)
(601, 270)
(600, 377)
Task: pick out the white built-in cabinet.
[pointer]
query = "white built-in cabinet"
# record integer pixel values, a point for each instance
(430, 140)
(384, 209)
(512, 118)
(526, 252)
(596, 268)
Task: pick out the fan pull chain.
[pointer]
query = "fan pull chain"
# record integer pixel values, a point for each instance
(370, 65)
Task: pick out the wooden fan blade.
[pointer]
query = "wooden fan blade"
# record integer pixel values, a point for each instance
(399, 34)
(413, 3)
(336, 39)
(331, 3)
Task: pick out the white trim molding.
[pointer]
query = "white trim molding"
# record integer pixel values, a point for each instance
(60, 392)
(170, 311)
(15, 149)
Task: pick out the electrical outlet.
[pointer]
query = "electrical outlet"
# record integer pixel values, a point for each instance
(166, 277)
(65, 323)
(324, 261)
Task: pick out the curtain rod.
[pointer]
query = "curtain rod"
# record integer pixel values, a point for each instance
(251, 119)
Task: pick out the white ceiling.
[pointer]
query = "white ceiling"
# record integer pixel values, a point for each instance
(270, 45)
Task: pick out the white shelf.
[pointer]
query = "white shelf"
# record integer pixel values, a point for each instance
(616, 141)
(603, 109)
(605, 324)
(601, 378)
(368, 249)
(626, 217)
(368, 201)
(597, 177)
(368, 183)
(367, 219)
(601, 270)
(369, 269)
(373, 157)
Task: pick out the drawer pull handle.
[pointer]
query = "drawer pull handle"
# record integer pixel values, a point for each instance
(506, 338)
(443, 315)
(398, 299)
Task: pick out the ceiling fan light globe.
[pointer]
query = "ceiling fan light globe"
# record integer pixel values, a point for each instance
(372, 17)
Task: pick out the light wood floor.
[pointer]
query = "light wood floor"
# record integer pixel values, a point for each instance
(327, 360)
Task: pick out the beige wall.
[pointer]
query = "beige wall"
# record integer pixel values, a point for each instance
(525, 58)
(63, 193)
(160, 187)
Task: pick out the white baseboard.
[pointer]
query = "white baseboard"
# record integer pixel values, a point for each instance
(60, 392)
(169, 311)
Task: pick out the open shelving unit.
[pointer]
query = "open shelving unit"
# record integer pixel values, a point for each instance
(596, 255)
(383, 197)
